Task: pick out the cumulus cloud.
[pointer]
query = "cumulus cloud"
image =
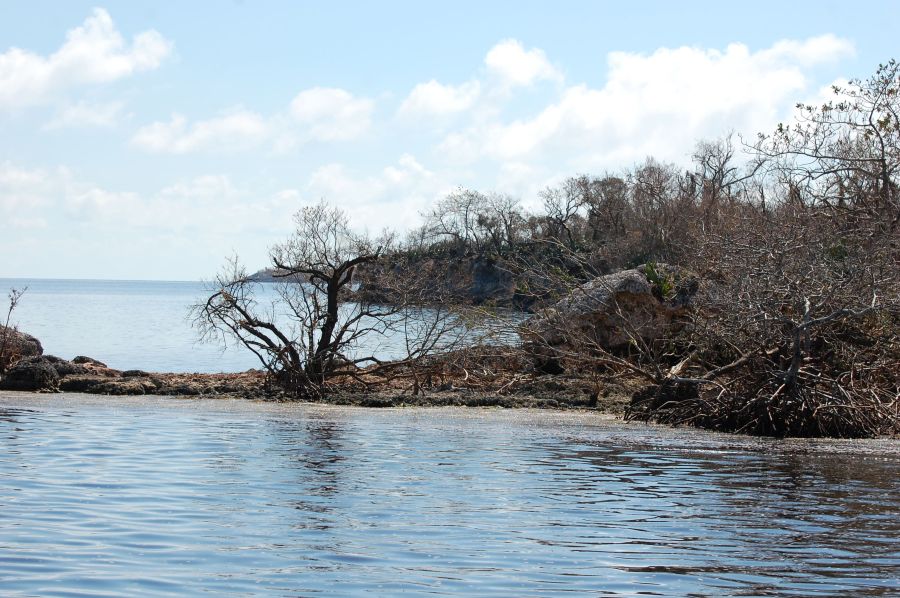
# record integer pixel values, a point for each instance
(391, 198)
(23, 189)
(517, 66)
(317, 114)
(433, 98)
(809, 52)
(657, 103)
(84, 202)
(330, 114)
(206, 204)
(93, 53)
(239, 129)
(508, 65)
(183, 229)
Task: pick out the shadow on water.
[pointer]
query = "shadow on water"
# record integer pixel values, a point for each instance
(147, 496)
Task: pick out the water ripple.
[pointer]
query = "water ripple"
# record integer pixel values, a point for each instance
(164, 497)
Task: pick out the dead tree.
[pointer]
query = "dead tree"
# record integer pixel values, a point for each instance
(7, 354)
(311, 332)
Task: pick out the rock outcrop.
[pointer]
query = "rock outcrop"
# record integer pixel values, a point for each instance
(611, 312)
(89, 361)
(15, 345)
(48, 373)
(34, 373)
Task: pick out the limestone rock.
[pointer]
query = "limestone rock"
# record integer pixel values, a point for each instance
(610, 312)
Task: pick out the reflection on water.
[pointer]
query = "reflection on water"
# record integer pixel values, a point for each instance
(166, 497)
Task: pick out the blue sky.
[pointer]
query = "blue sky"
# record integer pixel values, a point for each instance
(149, 140)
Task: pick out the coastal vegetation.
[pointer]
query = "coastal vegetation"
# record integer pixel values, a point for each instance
(309, 336)
(761, 292)
(756, 290)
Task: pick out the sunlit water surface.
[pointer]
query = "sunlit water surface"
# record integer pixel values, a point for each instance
(125, 324)
(144, 496)
(134, 324)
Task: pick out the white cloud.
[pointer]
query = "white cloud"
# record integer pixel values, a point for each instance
(206, 205)
(83, 114)
(204, 187)
(657, 104)
(239, 129)
(517, 66)
(392, 198)
(93, 53)
(23, 189)
(330, 114)
(316, 114)
(407, 169)
(335, 183)
(433, 98)
(810, 52)
(86, 201)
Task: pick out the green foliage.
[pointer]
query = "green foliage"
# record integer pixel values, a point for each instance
(838, 251)
(662, 283)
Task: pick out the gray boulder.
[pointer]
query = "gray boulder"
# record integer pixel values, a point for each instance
(610, 312)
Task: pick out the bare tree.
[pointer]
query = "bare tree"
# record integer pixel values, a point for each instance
(474, 223)
(7, 355)
(563, 207)
(455, 219)
(310, 332)
(501, 219)
(798, 332)
(794, 333)
(845, 153)
(608, 208)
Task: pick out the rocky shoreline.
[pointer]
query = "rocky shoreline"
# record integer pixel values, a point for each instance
(50, 374)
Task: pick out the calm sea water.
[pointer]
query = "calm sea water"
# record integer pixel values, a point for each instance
(167, 497)
(131, 324)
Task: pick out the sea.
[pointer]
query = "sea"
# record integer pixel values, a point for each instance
(126, 324)
(162, 496)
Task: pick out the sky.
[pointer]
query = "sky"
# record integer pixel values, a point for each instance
(153, 140)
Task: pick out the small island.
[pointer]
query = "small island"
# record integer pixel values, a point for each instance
(756, 294)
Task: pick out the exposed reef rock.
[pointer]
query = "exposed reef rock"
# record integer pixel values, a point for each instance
(32, 374)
